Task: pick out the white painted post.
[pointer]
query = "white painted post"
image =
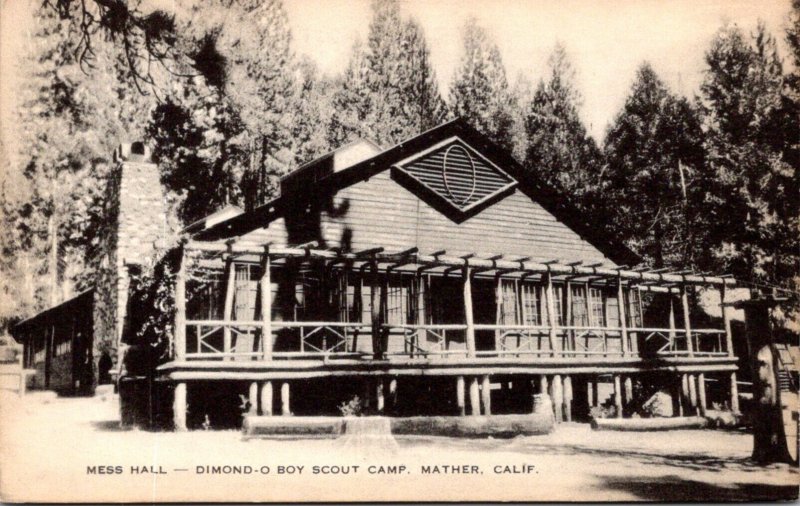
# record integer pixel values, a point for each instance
(266, 398)
(460, 400)
(179, 407)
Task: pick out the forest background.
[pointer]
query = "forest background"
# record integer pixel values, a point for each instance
(705, 181)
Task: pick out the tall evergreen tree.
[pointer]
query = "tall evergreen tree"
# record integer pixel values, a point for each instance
(559, 150)
(479, 91)
(654, 157)
(389, 90)
(752, 130)
(72, 119)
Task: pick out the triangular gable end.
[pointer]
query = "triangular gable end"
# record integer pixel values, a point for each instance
(454, 178)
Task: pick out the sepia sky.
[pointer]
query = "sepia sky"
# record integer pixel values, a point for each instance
(606, 40)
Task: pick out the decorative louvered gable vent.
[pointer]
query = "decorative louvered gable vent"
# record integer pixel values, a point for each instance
(454, 174)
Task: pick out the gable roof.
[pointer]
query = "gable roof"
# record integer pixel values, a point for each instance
(550, 199)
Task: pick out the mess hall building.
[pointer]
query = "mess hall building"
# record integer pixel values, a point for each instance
(436, 277)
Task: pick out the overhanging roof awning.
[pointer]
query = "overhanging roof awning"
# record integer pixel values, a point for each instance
(573, 271)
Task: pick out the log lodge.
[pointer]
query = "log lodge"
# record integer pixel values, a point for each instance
(435, 277)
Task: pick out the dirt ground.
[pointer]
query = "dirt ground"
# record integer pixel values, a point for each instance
(64, 449)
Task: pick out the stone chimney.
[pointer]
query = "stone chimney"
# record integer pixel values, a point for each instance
(134, 224)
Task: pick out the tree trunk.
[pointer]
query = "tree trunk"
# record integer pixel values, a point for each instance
(769, 441)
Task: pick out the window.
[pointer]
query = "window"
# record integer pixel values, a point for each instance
(508, 291)
(529, 298)
(598, 309)
(634, 306)
(580, 316)
(558, 304)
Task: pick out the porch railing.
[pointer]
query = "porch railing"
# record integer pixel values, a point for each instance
(243, 340)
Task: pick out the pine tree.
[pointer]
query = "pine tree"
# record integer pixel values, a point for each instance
(479, 91)
(559, 150)
(388, 92)
(72, 118)
(654, 160)
(752, 131)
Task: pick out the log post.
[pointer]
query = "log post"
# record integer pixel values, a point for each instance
(726, 319)
(383, 333)
(558, 398)
(551, 312)
(686, 405)
(460, 401)
(286, 408)
(180, 311)
(179, 407)
(568, 398)
(769, 434)
(677, 393)
(252, 399)
(470, 333)
(672, 331)
(380, 399)
(692, 394)
(570, 335)
(374, 309)
(421, 310)
(687, 325)
(486, 395)
(628, 390)
(618, 395)
(266, 398)
(543, 386)
(474, 397)
(734, 394)
(265, 286)
(623, 324)
(230, 273)
(701, 393)
(393, 394)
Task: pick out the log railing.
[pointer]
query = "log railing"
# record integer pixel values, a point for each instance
(329, 340)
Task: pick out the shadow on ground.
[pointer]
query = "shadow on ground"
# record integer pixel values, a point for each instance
(675, 488)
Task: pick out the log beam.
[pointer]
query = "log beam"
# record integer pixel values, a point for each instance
(551, 313)
(687, 325)
(230, 288)
(701, 394)
(558, 398)
(734, 394)
(623, 324)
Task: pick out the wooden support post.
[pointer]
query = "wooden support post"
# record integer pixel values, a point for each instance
(470, 333)
(252, 399)
(591, 394)
(180, 311)
(383, 334)
(460, 401)
(618, 395)
(179, 407)
(230, 272)
(568, 398)
(701, 393)
(628, 390)
(734, 394)
(551, 312)
(265, 286)
(393, 394)
(687, 325)
(266, 398)
(675, 391)
(421, 310)
(498, 302)
(569, 335)
(367, 401)
(726, 319)
(374, 309)
(558, 398)
(623, 324)
(474, 397)
(486, 395)
(692, 394)
(672, 332)
(686, 405)
(380, 399)
(286, 408)
(543, 386)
